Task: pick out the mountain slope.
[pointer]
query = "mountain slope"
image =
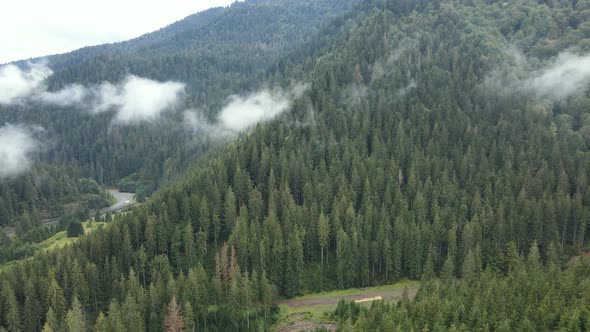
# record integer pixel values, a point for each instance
(425, 145)
(216, 53)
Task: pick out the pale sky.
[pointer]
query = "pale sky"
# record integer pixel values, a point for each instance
(34, 28)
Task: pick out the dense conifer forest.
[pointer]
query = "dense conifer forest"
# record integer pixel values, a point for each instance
(429, 140)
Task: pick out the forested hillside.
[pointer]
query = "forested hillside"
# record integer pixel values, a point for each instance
(217, 53)
(539, 299)
(434, 139)
(200, 51)
(43, 193)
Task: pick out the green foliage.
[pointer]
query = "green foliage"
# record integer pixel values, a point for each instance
(75, 229)
(45, 192)
(534, 299)
(75, 318)
(398, 161)
(201, 51)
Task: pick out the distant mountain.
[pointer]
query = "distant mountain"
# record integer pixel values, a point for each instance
(191, 22)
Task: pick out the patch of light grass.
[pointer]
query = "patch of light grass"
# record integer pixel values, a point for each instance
(361, 291)
(59, 240)
(321, 313)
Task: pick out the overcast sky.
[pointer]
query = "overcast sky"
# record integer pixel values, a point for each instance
(34, 28)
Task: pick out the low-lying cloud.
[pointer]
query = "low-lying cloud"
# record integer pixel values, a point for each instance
(569, 74)
(71, 95)
(138, 99)
(243, 112)
(16, 146)
(17, 84)
(134, 99)
(565, 76)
